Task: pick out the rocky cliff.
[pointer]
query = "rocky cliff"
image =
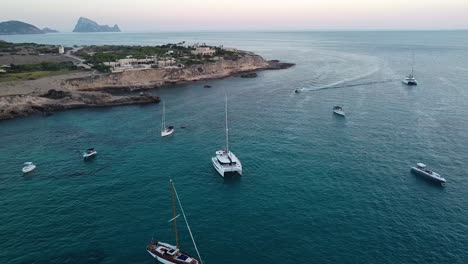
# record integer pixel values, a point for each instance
(25, 105)
(150, 78)
(87, 25)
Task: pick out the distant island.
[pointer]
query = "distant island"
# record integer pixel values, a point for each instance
(88, 25)
(14, 27)
(49, 30)
(41, 79)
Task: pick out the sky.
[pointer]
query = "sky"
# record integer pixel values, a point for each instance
(193, 15)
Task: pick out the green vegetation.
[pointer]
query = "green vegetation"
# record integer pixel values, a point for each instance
(43, 66)
(36, 71)
(8, 48)
(23, 76)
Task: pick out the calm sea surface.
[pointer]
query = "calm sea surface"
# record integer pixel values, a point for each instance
(316, 188)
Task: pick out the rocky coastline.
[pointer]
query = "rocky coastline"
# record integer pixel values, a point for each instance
(103, 90)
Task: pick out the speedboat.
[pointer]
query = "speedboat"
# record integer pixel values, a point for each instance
(90, 153)
(225, 161)
(338, 110)
(298, 90)
(421, 169)
(29, 167)
(410, 80)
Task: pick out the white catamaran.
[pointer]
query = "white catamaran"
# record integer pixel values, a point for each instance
(225, 161)
(410, 80)
(169, 254)
(165, 130)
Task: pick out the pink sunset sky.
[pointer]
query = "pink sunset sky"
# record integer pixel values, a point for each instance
(192, 15)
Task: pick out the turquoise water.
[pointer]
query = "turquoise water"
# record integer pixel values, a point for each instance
(316, 188)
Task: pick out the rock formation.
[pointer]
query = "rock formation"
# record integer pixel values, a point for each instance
(87, 25)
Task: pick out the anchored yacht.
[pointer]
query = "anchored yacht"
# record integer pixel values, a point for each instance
(421, 169)
(29, 167)
(166, 253)
(225, 161)
(410, 80)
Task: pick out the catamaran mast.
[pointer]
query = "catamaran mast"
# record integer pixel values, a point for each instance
(227, 128)
(174, 214)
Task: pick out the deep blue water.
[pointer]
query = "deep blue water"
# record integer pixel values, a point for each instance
(316, 188)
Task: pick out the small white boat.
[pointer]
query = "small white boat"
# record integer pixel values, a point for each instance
(338, 110)
(225, 161)
(165, 130)
(421, 169)
(90, 153)
(299, 90)
(29, 167)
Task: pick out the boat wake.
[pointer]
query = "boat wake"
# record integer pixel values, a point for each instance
(347, 85)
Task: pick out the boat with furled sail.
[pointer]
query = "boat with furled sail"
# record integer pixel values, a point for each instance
(170, 254)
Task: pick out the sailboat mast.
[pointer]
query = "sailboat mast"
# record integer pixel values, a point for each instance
(186, 222)
(412, 66)
(227, 127)
(174, 215)
(163, 122)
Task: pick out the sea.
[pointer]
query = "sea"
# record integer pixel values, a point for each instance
(316, 187)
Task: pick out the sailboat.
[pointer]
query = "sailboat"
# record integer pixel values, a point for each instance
(167, 253)
(165, 130)
(410, 80)
(225, 160)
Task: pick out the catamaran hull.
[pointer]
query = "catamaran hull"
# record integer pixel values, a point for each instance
(428, 176)
(410, 83)
(223, 170)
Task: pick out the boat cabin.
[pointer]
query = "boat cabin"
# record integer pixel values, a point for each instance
(224, 158)
(337, 107)
(423, 167)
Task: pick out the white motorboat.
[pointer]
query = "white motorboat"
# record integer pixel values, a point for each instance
(299, 90)
(29, 167)
(165, 130)
(170, 254)
(90, 153)
(225, 161)
(421, 169)
(338, 110)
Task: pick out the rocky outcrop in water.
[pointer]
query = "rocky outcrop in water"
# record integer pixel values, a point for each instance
(25, 105)
(88, 25)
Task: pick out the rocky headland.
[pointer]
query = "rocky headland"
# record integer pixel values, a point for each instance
(90, 88)
(154, 78)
